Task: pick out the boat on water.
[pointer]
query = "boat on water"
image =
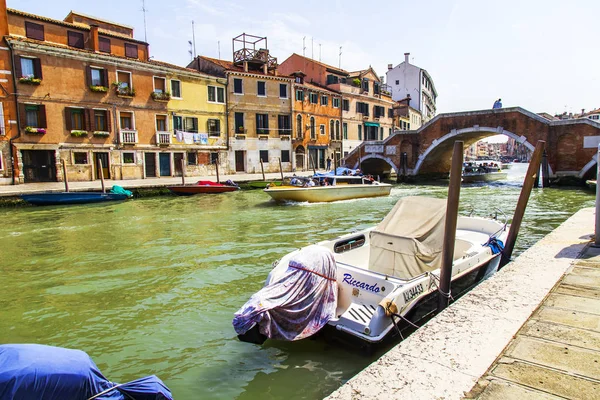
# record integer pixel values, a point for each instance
(591, 184)
(482, 172)
(370, 284)
(327, 187)
(117, 193)
(264, 184)
(204, 187)
(34, 371)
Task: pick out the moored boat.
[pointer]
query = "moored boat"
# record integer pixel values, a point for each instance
(68, 198)
(327, 188)
(203, 187)
(591, 184)
(264, 184)
(482, 172)
(364, 284)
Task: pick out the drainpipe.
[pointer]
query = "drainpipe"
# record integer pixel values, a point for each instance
(16, 94)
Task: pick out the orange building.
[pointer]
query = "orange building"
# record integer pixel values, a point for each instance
(8, 110)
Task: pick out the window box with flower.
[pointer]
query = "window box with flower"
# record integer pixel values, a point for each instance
(78, 133)
(161, 96)
(98, 88)
(30, 80)
(35, 131)
(101, 134)
(123, 89)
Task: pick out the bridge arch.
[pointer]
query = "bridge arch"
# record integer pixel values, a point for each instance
(587, 167)
(376, 157)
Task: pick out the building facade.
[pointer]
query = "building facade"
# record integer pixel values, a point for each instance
(88, 94)
(406, 80)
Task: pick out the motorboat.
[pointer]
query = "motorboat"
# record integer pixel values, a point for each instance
(117, 193)
(204, 187)
(482, 172)
(264, 184)
(591, 184)
(371, 284)
(326, 188)
(35, 371)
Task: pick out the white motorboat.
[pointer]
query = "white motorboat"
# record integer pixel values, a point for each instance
(385, 276)
(478, 171)
(327, 188)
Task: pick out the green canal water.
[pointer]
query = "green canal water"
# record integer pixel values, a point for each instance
(150, 286)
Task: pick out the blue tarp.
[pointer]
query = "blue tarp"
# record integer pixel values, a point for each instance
(33, 371)
(495, 244)
(119, 190)
(339, 171)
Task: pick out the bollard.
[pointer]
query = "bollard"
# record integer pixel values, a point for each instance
(597, 230)
(450, 226)
(65, 177)
(532, 173)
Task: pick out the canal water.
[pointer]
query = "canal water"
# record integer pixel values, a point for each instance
(149, 286)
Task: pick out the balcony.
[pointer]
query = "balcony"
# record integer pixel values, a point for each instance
(163, 138)
(128, 136)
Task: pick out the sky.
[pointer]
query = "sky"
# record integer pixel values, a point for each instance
(539, 55)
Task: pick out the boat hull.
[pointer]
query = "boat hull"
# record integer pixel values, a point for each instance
(327, 193)
(42, 199)
(189, 190)
(263, 184)
(484, 177)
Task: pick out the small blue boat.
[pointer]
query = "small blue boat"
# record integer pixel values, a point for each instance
(67, 198)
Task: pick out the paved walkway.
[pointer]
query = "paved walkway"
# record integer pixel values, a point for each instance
(556, 354)
(14, 190)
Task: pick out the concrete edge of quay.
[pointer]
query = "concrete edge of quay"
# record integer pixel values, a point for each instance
(445, 358)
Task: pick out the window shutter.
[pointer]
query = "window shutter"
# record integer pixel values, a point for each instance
(68, 119)
(88, 75)
(37, 67)
(357, 106)
(18, 70)
(22, 116)
(88, 120)
(42, 116)
(105, 77)
(267, 122)
(108, 125)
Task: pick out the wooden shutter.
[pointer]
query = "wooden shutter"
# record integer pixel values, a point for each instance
(88, 75)
(267, 122)
(358, 107)
(37, 68)
(108, 125)
(68, 119)
(88, 120)
(22, 116)
(105, 77)
(42, 116)
(18, 70)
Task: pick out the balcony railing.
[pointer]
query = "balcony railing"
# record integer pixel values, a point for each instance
(163, 138)
(128, 136)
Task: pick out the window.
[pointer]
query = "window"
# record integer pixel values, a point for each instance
(262, 124)
(34, 31)
(375, 87)
(362, 108)
(75, 39)
(264, 155)
(378, 111)
(299, 127)
(175, 89)
(346, 105)
(345, 130)
(128, 158)
(216, 94)
(214, 127)
(101, 121)
(74, 118)
(321, 129)
(299, 79)
(80, 157)
(261, 89)
(192, 158)
(104, 45)
(29, 68)
(390, 113)
(97, 76)
(126, 120)
(190, 124)
(365, 85)
(314, 98)
(323, 100)
(380, 133)
(390, 132)
(313, 133)
(284, 124)
(214, 158)
(397, 82)
(331, 130)
(160, 84)
(335, 102)
(337, 130)
(161, 123)
(34, 115)
(283, 91)
(360, 132)
(285, 156)
(237, 86)
(331, 79)
(131, 50)
(239, 122)
(177, 123)
(124, 80)
(299, 95)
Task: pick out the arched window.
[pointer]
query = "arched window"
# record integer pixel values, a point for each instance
(337, 130)
(331, 133)
(299, 127)
(313, 132)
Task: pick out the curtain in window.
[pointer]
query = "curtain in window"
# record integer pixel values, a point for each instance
(27, 69)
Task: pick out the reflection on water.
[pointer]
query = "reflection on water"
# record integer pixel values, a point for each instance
(151, 285)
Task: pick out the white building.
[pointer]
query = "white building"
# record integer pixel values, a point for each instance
(407, 80)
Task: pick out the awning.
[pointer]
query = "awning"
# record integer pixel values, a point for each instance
(372, 124)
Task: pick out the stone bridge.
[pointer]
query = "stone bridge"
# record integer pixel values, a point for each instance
(571, 145)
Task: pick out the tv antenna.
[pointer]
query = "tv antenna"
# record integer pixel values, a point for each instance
(144, 10)
(340, 59)
(193, 39)
(219, 46)
(303, 47)
(319, 52)
(190, 50)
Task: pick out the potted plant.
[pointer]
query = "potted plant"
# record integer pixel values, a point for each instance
(101, 134)
(78, 133)
(98, 88)
(33, 130)
(30, 80)
(240, 129)
(123, 89)
(161, 96)
(356, 82)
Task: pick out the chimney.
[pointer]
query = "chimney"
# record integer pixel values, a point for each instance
(94, 38)
(245, 66)
(3, 19)
(582, 111)
(406, 57)
(265, 69)
(390, 66)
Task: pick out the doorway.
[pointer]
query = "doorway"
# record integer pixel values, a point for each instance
(177, 158)
(300, 155)
(150, 161)
(239, 160)
(103, 157)
(39, 165)
(164, 163)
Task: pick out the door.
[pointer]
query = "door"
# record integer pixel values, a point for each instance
(177, 158)
(39, 165)
(164, 161)
(300, 159)
(322, 158)
(150, 161)
(312, 158)
(239, 161)
(105, 167)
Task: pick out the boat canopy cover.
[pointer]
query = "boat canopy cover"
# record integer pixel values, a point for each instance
(340, 171)
(409, 240)
(300, 297)
(34, 371)
(120, 190)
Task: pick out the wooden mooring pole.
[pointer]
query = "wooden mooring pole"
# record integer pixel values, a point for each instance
(262, 169)
(217, 168)
(450, 227)
(183, 171)
(545, 171)
(530, 177)
(65, 177)
(101, 172)
(597, 230)
(280, 169)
